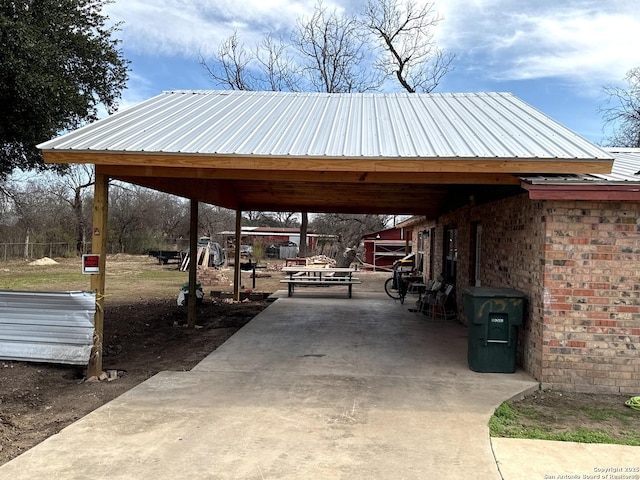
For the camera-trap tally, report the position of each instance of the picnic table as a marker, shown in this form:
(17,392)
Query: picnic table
(319,276)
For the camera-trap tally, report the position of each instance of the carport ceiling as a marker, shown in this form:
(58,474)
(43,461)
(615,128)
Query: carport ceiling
(361,153)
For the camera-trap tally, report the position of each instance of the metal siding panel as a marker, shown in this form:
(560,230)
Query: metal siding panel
(54,327)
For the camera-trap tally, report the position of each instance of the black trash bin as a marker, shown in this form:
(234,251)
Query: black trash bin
(493,316)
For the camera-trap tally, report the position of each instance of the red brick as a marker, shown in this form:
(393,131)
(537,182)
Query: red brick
(628,308)
(584,292)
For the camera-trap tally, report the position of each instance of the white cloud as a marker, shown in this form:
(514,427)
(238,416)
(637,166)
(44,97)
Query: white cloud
(185,27)
(586,42)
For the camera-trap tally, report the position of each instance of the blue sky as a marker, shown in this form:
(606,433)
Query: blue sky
(556,55)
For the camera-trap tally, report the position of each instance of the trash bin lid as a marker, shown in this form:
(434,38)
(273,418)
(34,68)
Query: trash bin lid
(490,292)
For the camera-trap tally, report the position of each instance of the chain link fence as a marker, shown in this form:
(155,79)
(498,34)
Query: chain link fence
(28,251)
(36,250)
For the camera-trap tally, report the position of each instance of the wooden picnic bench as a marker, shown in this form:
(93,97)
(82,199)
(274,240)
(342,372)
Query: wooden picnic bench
(319,277)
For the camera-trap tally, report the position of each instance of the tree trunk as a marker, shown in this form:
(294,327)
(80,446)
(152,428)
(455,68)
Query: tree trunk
(344,260)
(303,234)
(77,210)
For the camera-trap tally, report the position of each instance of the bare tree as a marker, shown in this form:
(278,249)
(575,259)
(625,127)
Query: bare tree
(267,67)
(404,31)
(622,111)
(74,183)
(349,228)
(279,70)
(331,52)
(214,219)
(334,53)
(231,65)
(38,213)
(287,219)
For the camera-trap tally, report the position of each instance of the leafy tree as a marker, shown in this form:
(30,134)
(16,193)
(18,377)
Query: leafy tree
(58,64)
(623,111)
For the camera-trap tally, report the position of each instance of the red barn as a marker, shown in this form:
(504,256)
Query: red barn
(383,248)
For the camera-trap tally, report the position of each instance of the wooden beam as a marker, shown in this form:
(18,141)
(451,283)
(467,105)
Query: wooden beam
(309,196)
(330,164)
(99,247)
(216,193)
(363,177)
(237,273)
(193,263)
(584,192)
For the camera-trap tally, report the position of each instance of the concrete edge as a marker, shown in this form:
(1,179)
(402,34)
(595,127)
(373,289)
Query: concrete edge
(518,396)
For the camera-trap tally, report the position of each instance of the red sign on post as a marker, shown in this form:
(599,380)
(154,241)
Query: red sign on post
(90,263)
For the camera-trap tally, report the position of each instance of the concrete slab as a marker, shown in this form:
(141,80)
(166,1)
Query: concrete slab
(565,460)
(311,388)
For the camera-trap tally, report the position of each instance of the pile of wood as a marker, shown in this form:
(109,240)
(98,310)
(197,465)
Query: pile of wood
(203,258)
(319,260)
(209,277)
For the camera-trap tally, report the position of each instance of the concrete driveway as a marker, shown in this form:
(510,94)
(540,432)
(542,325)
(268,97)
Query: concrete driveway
(320,387)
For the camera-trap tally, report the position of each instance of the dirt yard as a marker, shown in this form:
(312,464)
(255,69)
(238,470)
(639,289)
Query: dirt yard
(144,334)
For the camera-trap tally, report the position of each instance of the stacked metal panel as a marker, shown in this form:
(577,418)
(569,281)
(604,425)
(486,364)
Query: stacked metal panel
(52,327)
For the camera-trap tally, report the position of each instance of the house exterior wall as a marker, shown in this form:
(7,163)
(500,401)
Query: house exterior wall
(579,265)
(512,256)
(592,296)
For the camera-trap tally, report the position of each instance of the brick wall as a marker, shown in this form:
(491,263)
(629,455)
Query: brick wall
(579,265)
(592,296)
(512,256)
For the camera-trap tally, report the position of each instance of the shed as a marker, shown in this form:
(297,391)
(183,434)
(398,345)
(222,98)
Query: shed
(383,248)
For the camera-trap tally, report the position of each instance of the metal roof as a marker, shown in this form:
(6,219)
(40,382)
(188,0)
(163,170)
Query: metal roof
(625,170)
(54,327)
(285,124)
(626,165)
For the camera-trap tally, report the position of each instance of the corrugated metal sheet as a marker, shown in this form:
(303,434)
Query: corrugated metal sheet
(389,126)
(625,170)
(53,327)
(626,165)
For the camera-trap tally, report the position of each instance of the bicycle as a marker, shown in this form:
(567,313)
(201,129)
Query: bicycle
(396,286)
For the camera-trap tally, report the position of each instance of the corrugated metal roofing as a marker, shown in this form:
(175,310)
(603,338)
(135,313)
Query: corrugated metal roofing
(626,165)
(625,170)
(54,327)
(285,124)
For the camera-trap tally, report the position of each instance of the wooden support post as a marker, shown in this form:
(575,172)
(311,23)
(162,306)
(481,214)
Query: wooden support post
(99,247)
(407,245)
(237,277)
(193,264)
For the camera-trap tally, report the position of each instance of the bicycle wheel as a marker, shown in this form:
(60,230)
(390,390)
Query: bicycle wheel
(391,289)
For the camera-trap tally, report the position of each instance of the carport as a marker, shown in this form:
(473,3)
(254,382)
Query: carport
(360,153)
